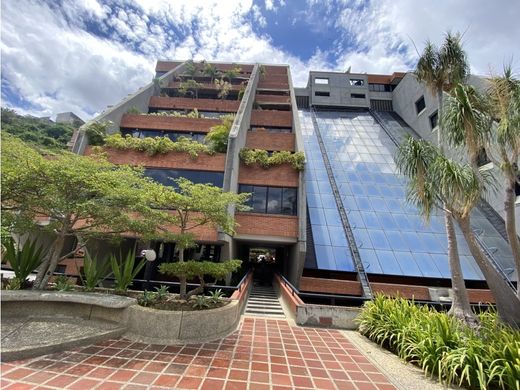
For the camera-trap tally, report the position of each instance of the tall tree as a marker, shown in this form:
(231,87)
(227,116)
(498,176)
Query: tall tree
(441,69)
(436,181)
(504,99)
(413,160)
(190,69)
(81,196)
(196,205)
(190,87)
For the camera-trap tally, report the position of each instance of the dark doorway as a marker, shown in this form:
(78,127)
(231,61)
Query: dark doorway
(264,260)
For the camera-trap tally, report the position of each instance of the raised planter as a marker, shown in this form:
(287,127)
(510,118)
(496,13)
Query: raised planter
(173,327)
(41,322)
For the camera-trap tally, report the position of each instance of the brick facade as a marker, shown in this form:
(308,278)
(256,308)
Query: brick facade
(406,291)
(278,176)
(331,286)
(170,103)
(261,139)
(277,99)
(271,118)
(267,225)
(153,122)
(206,85)
(173,160)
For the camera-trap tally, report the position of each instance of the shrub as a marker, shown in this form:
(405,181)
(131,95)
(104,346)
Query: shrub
(125,271)
(148,298)
(262,158)
(93,273)
(96,132)
(201,302)
(216,296)
(156,145)
(63,283)
(218,136)
(23,260)
(133,110)
(161,293)
(199,269)
(486,358)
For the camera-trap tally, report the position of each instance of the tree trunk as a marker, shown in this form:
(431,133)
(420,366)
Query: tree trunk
(509,208)
(182,280)
(507,303)
(460,307)
(54,258)
(440,102)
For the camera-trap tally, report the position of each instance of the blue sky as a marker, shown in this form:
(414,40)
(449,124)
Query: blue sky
(82,55)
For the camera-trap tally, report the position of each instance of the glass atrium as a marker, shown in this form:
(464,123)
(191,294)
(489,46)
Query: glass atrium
(391,236)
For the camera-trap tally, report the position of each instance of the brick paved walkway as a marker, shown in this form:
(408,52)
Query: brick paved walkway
(262,354)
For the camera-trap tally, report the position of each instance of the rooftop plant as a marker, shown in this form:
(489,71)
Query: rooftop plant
(217,138)
(157,145)
(262,158)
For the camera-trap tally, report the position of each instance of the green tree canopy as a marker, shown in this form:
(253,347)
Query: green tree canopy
(81,196)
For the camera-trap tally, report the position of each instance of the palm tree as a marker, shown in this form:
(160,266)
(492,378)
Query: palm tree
(504,99)
(438,182)
(413,159)
(190,69)
(210,71)
(466,122)
(440,69)
(232,73)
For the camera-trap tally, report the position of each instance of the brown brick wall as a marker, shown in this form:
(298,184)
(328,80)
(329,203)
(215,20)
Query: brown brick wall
(133,121)
(271,118)
(403,290)
(205,85)
(165,66)
(189,104)
(264,99)
(174,160)
(267,224)
(275,70)
(331,286)
(280,175)
(290,299)
(261,139)
(484,296)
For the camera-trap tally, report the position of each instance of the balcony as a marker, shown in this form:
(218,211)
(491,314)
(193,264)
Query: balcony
(172,160)
(271,118)
(261,139)
(168,103)
(267,225)
(206,86)
(273,99)
(278,176)
(273,81)
(156,122)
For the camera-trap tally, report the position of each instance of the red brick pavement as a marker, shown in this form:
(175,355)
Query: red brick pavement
(262,354)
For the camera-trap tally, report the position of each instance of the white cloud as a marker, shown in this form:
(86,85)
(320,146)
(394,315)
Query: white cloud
(50,59)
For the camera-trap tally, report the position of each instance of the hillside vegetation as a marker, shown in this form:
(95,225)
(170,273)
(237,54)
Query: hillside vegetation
(37,132)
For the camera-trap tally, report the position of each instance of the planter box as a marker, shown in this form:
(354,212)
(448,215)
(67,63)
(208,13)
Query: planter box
(175,327)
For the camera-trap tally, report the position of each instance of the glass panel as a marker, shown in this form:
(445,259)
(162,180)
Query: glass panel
(274,200)
(259,199)
(289,201)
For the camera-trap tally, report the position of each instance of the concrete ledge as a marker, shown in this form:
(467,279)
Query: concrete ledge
(328,316)
(176,327)
(98,299)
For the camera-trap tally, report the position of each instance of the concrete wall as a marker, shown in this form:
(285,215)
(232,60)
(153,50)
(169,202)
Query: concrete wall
(298,251)
(339,88)
(236,141)
(406,94)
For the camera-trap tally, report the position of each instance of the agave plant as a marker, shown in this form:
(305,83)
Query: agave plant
(25,259)
(93,272)
(125,271)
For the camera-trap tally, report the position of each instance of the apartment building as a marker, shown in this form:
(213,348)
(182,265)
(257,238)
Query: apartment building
(262,100)
(341,228)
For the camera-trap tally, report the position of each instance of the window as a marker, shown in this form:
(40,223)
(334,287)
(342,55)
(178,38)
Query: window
(321,93)
(420,105)
(173,135)
(167,176)
(357,82)
(380,87)
(271,200)
(321,80)
(357,96)
(434,120)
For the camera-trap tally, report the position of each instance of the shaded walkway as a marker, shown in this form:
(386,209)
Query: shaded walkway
(262,354)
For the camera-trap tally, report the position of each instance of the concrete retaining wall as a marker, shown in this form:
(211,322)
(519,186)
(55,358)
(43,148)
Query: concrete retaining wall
(329,316)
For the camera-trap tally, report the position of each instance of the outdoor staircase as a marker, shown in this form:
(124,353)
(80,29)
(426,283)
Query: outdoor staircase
(263,302)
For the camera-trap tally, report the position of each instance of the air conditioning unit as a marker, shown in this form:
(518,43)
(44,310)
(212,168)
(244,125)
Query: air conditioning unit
(439,294)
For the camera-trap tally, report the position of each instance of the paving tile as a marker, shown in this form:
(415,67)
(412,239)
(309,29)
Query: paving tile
(262,354)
